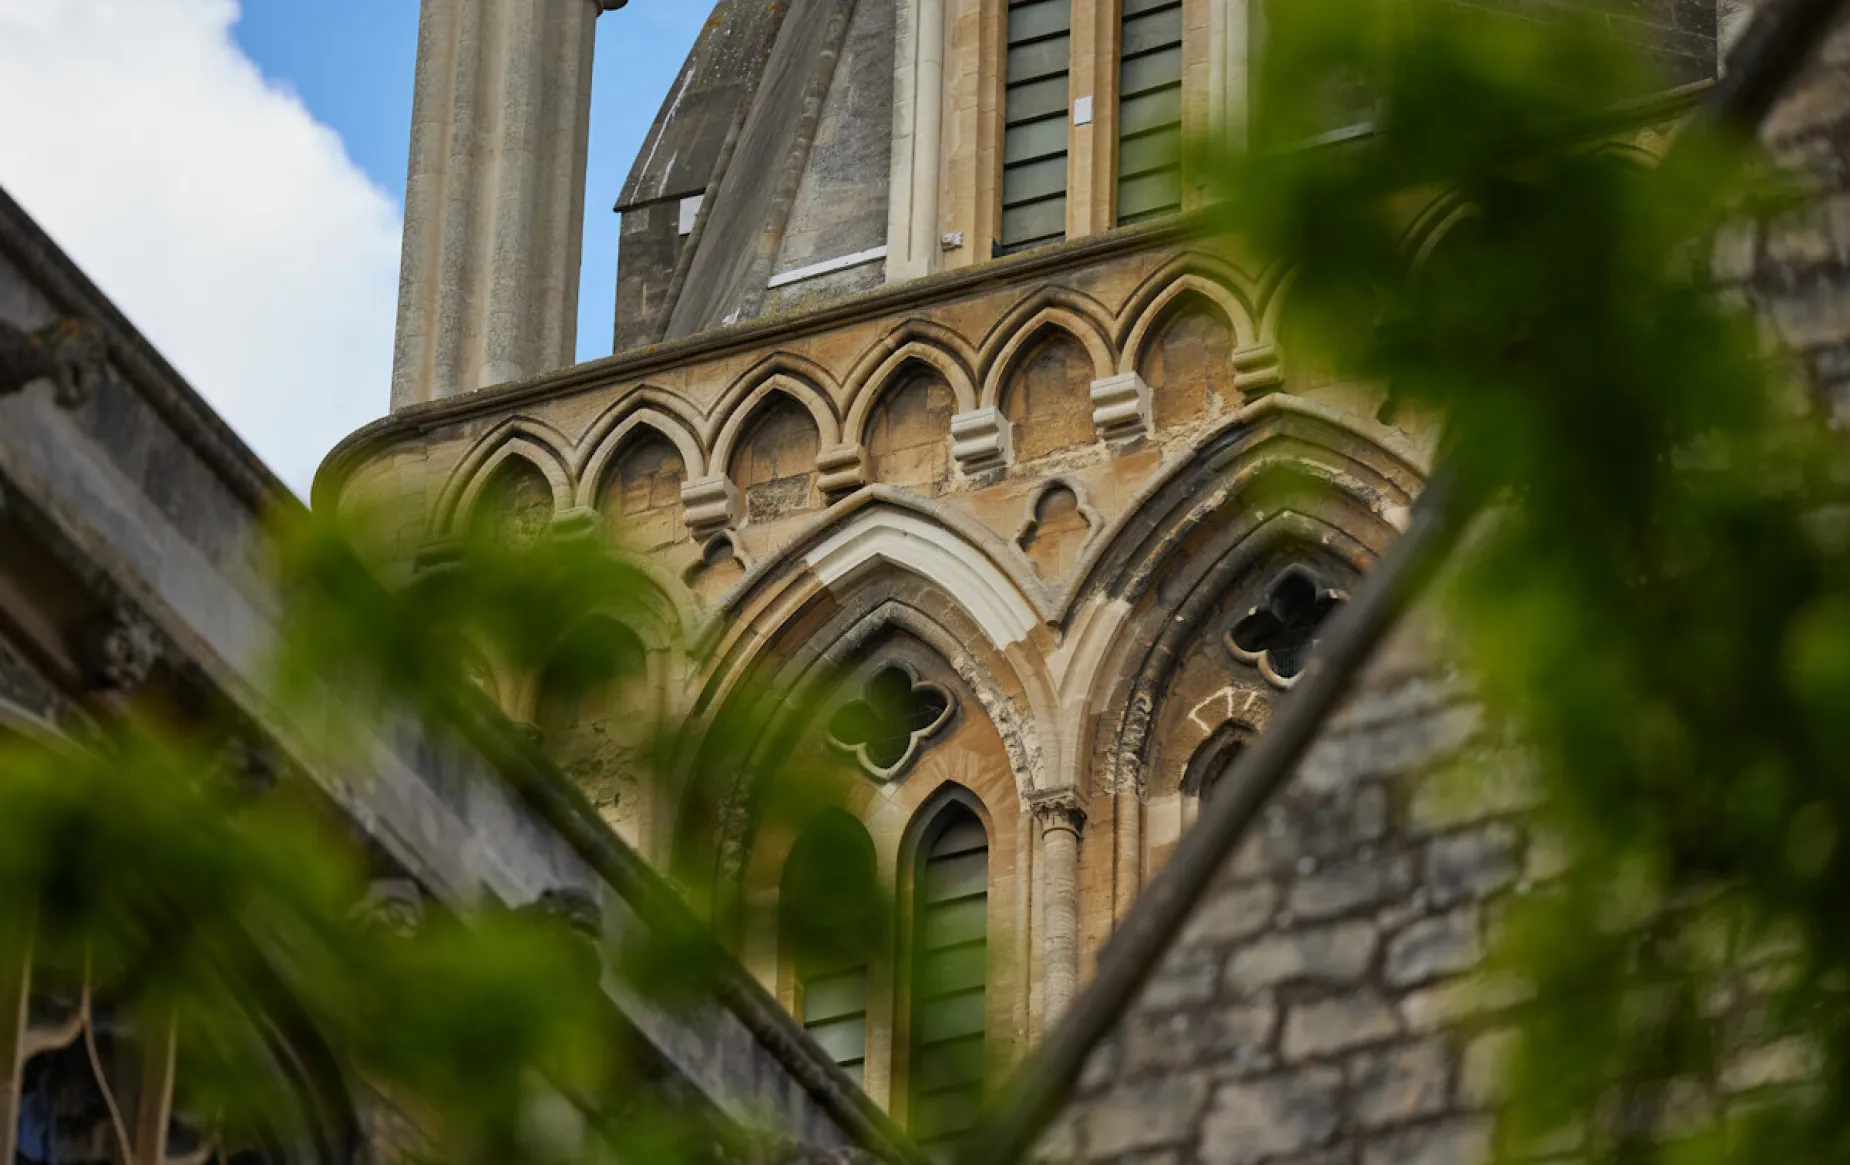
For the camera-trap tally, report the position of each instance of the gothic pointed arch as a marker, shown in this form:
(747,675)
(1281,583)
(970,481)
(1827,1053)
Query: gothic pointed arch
(798,376)
(540,444)
(1080,316)
(905,429)
(1283,486)
(769,450)
(791,637)
(1232,291)
(915,341)
(1044,389)
(635,472)
(648,408)
(1183,351)
(885,525)
(514,502)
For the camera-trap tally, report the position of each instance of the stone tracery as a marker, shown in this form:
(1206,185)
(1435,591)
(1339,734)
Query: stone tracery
(885,725)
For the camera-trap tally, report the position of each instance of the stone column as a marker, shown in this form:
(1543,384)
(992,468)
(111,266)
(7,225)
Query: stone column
(1061,818)
(494,197)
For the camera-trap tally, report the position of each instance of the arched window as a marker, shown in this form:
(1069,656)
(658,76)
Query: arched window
(950,957)
(1206,779)
(829,927)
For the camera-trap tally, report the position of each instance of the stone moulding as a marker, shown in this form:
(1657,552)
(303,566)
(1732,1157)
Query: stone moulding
(1121,407)
(710,504)
(981,440)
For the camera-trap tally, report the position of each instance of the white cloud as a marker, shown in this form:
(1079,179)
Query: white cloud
(227,223)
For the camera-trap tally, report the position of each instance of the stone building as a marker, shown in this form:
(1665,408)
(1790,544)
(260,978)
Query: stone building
(928,404)
(134,580)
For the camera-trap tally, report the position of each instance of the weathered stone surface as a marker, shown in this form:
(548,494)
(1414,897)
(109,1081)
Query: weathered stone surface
(1401,1083)
(1445,1004)
(1233,914)
(1460,1141)
(1251,1122)
(1225,1035)
(1337,953)
(1101,1068)
(1477,788)
(1349,885)
(1337,1024)
(1473,864)
(1431,947)
(1176,986)
(1147,1114)
(1295,829)
(1482,1076)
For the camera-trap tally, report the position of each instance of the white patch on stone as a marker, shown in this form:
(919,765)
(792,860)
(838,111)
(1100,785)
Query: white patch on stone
(828,266)
(932,552)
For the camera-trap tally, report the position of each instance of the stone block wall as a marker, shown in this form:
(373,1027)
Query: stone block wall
(1794,269)
(1326,1005)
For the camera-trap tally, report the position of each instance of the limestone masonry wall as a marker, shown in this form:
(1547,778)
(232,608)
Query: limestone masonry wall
(1325,1005)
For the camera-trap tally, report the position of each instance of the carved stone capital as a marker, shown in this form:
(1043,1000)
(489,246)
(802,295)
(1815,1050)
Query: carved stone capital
(710,504)
(981,440)
(392,906)
(1121,407)
(1058,810)
(841,469)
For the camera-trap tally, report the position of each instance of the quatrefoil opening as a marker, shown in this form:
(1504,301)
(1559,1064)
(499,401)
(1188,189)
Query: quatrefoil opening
(1277,635)
(885,727)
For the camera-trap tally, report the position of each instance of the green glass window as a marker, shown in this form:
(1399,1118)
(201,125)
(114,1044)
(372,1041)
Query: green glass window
(950,951)
(830,923)
(1035,122)
(1150,110)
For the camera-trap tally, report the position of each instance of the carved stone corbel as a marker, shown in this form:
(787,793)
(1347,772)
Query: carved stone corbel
(981,440)
(841,469)
(709,505)
(71,353)
(1121,408)
(1258,370)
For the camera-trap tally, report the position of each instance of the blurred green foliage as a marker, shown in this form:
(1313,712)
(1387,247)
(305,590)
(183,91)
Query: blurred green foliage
(1657,607)
(139,868)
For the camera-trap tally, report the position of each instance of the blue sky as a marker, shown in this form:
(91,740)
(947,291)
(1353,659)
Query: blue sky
(351,63)
(232,174)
